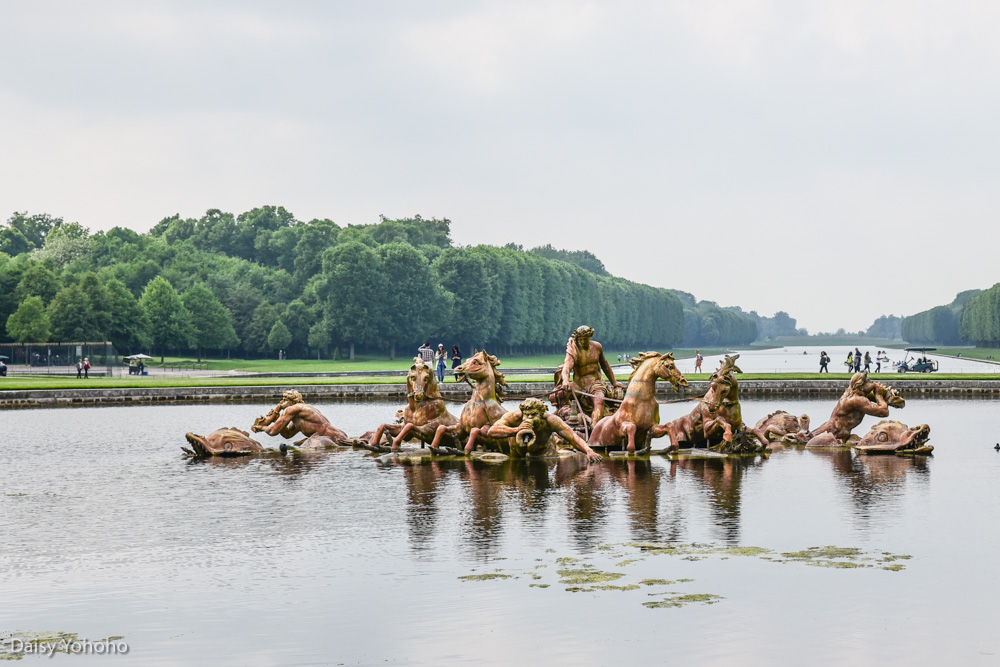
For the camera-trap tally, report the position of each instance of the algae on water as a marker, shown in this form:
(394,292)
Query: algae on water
(587,576)
(485,577)
(681,600)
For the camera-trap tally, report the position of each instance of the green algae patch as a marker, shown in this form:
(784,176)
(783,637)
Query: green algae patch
(485,577)
(628,562)
(824,552)
(696,551)
(893,568)
(603,587)
(538,585)
(587,576)
(567,560)
(657,582)
(683,600)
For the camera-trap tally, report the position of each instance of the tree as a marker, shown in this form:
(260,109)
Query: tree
(128,328)
(169,320)
(355,292)
(415,302)
(34,228)
(99,313)
(260,327)
(66,243)
(319,337)
(279,338)
(475,314)
(29,323)
(37,280)
(13,242)
(211,322)
(69,313)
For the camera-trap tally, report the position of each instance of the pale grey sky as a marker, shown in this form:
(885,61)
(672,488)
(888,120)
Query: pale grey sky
(836,160)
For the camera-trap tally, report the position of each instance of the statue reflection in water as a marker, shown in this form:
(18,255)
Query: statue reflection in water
(481,495)
(874,483)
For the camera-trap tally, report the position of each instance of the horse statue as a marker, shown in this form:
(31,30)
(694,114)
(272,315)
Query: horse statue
(424,412)
(483,409)
(717,421)
(638,417)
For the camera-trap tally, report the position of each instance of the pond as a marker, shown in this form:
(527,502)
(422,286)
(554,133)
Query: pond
(333,559)
(806,360)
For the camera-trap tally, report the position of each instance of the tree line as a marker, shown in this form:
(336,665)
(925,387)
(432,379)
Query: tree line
(262,281)
(951,324)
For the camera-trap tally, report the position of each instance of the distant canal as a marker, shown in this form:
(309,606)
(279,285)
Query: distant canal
(804,556)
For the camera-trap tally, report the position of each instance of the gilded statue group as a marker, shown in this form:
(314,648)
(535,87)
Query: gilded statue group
(592,411)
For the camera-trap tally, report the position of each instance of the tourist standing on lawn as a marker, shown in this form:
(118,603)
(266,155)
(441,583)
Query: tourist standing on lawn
(86,368)
(440,357)
(79,369)
(426,353)
(456,357)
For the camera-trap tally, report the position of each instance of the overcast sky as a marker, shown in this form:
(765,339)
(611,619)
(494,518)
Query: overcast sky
(835,160)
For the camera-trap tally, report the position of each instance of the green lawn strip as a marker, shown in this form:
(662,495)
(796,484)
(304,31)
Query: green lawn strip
(13,383)
(382,363)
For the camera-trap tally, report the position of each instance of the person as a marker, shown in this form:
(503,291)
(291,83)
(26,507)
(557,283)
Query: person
(426,353)
(440,357)
(86,368)
(79,369)
(850,361)
(697,361)
(878,361)
(456,357)
(823,362)
(585,360)
(857,360)
(868,361)
(619,357)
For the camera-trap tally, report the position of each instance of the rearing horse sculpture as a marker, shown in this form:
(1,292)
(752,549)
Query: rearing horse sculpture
(718,416)
(424,412)
(483,409)
(638,417)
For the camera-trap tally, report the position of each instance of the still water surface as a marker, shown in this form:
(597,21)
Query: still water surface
(107,530)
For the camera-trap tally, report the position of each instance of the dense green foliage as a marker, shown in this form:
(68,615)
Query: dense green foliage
(262,281)
(706,324)
(980,321)
(940,325)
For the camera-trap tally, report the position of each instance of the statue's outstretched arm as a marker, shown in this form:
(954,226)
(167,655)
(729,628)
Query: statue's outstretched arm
(571,436)
(505,427)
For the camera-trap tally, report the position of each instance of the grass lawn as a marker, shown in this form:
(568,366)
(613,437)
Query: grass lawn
(382,363)
(50,382)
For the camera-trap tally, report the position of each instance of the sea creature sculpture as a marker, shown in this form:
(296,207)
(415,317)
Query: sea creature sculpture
(717,421)
(222,442)
(529,428)
(784,427)
(892,437)
(579,378)
(638,417)
(292,416)
(483,409)
(862,397)
(425,411)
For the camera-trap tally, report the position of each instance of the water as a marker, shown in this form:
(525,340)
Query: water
(806,360)
(107,530)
